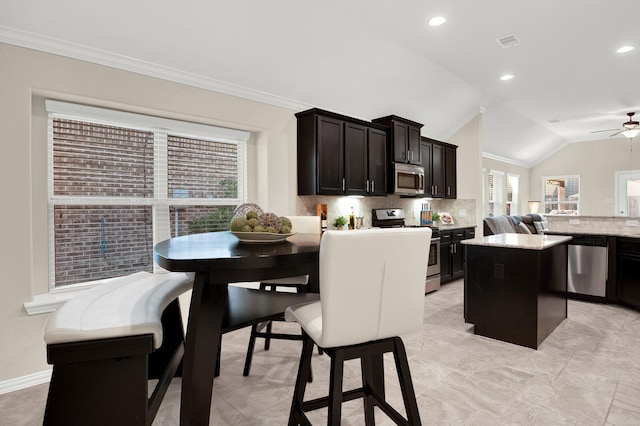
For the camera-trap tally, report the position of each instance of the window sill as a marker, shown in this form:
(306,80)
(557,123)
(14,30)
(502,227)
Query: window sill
(49,302)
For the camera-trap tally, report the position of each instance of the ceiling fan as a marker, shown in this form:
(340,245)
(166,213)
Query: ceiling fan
(630,129)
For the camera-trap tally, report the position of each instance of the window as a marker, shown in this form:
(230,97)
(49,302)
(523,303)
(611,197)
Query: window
(118,182)
(561,194)
(628,193)
(502,190)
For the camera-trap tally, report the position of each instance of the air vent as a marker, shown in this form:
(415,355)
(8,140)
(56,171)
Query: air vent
(508,41)
(554,121)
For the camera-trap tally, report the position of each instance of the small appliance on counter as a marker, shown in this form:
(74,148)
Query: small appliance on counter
(394,218)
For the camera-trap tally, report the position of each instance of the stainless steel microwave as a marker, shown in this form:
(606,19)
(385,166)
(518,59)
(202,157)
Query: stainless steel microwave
(408,179)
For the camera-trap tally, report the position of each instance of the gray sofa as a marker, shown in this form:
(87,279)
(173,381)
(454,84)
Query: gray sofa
(512,224)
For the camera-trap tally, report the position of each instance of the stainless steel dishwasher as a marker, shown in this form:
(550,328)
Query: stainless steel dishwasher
(587,274)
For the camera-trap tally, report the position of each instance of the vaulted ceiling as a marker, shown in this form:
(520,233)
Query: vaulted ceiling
(370,58)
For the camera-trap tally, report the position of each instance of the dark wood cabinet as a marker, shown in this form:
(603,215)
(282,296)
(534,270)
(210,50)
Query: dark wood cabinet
(404,139)
(377,162)
(440,168)
(628,271)
(340,155)
(452,253)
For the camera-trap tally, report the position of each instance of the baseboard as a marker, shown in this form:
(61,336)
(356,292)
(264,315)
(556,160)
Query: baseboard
(24,382)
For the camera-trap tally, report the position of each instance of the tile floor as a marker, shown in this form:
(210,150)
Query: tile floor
(586,373)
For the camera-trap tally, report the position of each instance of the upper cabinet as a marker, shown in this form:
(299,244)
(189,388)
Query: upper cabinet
(404,139)
(339,155)
(439,162)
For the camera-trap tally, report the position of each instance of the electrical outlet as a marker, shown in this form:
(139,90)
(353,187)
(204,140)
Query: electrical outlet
(462,213)
(631,223)
(574,221)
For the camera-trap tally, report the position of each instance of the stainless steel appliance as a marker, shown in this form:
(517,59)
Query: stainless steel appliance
(408,179)
(587,273)
(395,217)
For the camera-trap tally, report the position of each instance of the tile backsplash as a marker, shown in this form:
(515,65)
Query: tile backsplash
(362,206)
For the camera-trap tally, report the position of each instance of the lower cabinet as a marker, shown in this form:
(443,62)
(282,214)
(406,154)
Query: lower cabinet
(628,271)
(452,253)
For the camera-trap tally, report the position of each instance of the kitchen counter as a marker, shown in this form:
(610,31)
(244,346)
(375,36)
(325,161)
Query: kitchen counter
(594,225)
(515,286)
(520,241)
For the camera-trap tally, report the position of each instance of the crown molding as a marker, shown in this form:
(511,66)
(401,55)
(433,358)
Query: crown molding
(505,160)
(84,53)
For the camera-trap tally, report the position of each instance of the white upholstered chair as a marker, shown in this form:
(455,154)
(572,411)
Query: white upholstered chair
(300,224)
(371,291)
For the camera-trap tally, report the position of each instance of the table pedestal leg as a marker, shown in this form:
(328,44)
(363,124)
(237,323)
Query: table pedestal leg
(201,350)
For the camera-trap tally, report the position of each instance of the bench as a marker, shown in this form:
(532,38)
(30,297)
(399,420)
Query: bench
(107,343)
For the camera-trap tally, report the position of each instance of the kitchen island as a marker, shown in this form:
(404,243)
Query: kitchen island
(515,286)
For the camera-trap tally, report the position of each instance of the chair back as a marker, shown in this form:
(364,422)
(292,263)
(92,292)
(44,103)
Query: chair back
(305,224)
(372,283)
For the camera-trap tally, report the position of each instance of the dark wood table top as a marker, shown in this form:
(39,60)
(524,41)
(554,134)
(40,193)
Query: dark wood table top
(203,252)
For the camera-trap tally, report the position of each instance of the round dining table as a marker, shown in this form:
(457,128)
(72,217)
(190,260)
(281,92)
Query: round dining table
(219,258)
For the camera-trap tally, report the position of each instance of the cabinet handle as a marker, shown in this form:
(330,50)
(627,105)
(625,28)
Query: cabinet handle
(448,190)
(373,186)
(436,191)
(343,184)
(366,186)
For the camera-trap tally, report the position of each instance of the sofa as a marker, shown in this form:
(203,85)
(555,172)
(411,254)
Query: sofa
(529,224)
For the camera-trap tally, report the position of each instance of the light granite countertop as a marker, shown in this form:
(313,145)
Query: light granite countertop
(519,241)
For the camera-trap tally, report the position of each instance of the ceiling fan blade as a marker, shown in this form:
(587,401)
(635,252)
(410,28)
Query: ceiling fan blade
(608,130)
(617,133)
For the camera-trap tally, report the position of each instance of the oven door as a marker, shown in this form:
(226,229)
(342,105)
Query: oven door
(433,264)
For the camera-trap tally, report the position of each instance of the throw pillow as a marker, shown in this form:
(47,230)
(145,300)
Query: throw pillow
(522,229)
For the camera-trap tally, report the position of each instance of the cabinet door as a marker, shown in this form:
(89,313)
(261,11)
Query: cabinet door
(330,156)
(413,144)
(450,172)
(445,262)
(400,140)
(426,158)
(437,171)
(628,276)
(355,159)
(377,156)
(457,260)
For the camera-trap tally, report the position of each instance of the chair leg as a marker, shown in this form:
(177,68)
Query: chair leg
(335,389)
(296,415)
(406,384)
(252,344)
(367,378)
(267,339)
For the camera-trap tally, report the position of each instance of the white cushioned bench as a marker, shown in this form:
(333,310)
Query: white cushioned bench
(105,345)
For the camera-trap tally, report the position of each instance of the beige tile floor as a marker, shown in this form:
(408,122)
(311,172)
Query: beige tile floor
(586,373)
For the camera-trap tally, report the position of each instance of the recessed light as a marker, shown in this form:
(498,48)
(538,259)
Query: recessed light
(437,21)
(506,77)
(625,49)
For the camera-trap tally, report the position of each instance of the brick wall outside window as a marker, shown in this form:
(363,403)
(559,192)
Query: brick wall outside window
(94,163)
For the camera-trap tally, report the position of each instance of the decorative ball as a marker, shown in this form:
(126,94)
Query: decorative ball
(270,220)
(247,228)
(285,229)
(252,214)
(258,228)
(271,229)
(285,221)
(252,222)
(238,223)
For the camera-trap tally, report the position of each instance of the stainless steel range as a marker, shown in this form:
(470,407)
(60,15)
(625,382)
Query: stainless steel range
(395,218)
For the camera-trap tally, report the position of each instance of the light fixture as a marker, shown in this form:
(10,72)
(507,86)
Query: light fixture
(624,49)
(534,206)
(630,133)
(506,77)
(437,21)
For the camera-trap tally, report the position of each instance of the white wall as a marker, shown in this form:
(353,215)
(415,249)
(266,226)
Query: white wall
(596,163)
(28,77)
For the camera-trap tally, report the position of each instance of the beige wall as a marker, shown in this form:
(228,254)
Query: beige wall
(523,182)
(28,77)
(596,163)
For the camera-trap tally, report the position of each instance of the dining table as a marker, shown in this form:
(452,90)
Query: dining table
(218,259)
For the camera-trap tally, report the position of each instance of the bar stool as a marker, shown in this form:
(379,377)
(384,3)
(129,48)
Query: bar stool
(371,291)
(301,224)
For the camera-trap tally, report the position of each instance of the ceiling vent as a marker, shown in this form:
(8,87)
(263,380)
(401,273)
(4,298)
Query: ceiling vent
(508,41)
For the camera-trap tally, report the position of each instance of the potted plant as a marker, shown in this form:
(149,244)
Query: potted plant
(339,222)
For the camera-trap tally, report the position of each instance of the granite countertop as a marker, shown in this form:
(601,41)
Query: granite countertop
(520,241)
